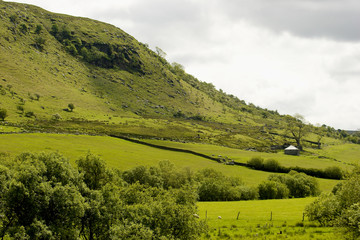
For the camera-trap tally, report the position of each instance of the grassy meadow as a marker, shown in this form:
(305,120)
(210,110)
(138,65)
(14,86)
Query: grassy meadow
(262,219)
(124,155)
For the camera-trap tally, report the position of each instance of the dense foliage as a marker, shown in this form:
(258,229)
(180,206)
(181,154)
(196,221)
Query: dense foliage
(272,165)
(44,197)
(341,207)
(294,184)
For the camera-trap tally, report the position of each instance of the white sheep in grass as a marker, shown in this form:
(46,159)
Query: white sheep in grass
(219,217)
(195,215)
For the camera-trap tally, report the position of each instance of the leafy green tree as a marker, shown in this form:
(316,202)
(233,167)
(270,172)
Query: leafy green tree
(38,29)
(273,190)
(256,163)
(3,114)
(350,219)
(94,171)
(271,165)
(39,43)
(299,184)
(71,106)
(42,195)
(325,209)
(54,29)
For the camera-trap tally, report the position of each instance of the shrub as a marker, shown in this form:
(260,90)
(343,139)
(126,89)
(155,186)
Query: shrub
(299,184)
(256,163)
(273,190)
(39,43)
(38,29)
(272,165)
(20,108)
(3,114)
(71,107)
(30,114)
(247,193)
(14,18)
(56,117)
(333,172)
(324,209)
(23,28)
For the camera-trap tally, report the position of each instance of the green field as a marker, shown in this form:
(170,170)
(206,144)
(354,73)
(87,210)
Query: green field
(124,155)
(254,220)
(332,155)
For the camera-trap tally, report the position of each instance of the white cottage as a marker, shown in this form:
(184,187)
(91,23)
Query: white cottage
(292,150)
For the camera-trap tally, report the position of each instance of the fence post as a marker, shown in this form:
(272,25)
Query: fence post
(271,216)
(237,218)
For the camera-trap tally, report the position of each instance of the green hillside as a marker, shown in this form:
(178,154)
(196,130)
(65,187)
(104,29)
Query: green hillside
(115,84)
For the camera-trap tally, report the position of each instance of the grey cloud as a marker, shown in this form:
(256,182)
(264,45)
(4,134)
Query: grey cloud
(346,68)
(333,19)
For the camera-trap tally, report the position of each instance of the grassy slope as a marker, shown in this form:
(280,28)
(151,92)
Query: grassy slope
(154,90)
(60,78)
(125,155)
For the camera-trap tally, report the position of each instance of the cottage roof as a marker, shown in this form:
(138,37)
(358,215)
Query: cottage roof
(291,147)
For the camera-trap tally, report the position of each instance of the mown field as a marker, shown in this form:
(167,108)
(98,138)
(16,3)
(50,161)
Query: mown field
(262,219)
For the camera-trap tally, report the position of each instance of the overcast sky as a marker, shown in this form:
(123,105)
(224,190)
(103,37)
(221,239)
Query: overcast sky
(294,56)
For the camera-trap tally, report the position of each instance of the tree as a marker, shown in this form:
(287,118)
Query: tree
(299,184)
(38,29)
(324,209)
(297,128)
(340,208)
(320,132)
(39,43)
(273,190)
(71,106)
(160,52)
(3,113)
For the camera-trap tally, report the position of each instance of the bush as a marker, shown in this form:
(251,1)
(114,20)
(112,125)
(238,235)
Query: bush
(30,114)
(38,29)
(247,193)
(324,209)
(299,184)
(3,114)
(272,165)
(256,163)
(39,43)
(20,108)
(273,190)
(71,106)
(333,172)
